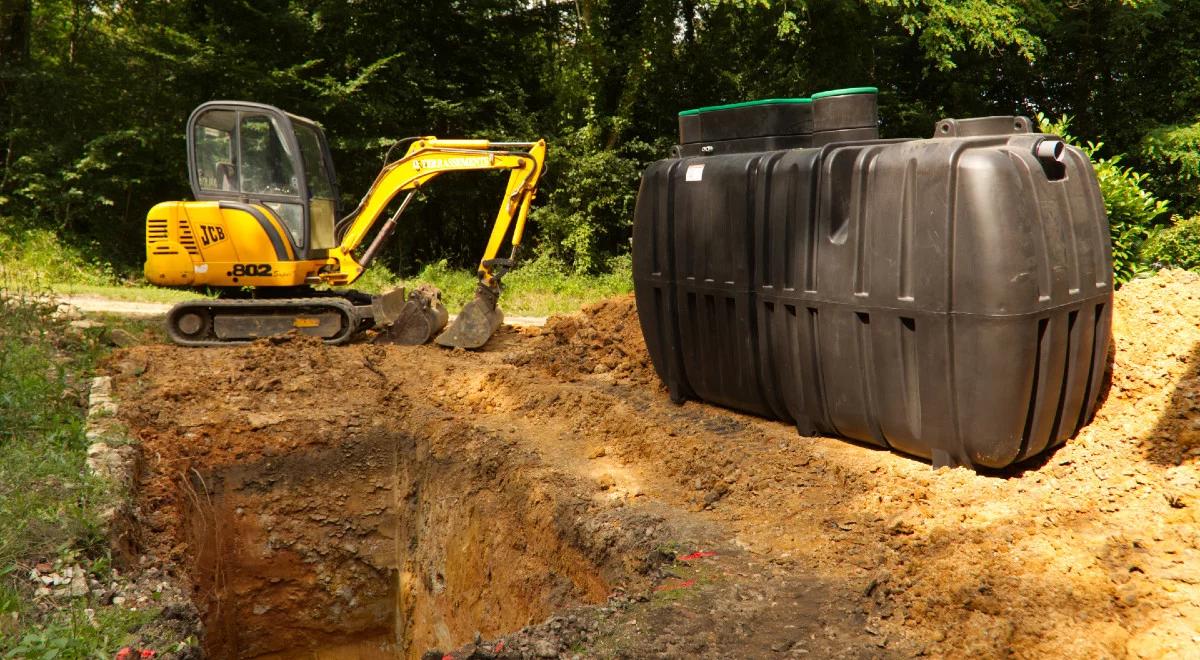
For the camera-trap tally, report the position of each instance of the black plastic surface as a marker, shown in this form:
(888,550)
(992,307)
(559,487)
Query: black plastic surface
(949,298)
(835,113)
(753,121)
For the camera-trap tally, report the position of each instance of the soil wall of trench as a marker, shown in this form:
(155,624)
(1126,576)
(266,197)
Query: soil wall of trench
(376,546)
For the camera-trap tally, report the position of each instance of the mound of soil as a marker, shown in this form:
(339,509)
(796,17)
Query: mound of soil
(1156,373)
(823,548)
(603,338)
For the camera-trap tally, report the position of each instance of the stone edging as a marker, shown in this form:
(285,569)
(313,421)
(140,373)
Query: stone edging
(112,458)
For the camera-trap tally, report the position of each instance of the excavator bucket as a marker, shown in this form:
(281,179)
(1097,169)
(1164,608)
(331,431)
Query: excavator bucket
(414,321)
(476,322)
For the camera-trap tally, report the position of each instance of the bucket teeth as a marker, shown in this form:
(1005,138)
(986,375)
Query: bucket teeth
(476,323)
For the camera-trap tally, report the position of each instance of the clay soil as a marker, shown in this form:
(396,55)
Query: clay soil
(437,499)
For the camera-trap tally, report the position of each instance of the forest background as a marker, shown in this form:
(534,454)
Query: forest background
(94,95)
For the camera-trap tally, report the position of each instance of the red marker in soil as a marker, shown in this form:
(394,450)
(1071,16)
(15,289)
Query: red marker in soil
(696,555)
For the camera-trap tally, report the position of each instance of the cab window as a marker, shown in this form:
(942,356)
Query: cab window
(266,163)
(322,206)
(212,136)
(320,184)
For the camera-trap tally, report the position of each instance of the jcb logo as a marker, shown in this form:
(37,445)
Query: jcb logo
(210,234)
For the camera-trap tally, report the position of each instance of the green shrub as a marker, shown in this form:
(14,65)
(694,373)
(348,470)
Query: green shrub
(36,258)
(587,214)
(1132,209)
(1176,245)
(1171,155)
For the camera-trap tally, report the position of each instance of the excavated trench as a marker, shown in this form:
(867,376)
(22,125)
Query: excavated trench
(376,545)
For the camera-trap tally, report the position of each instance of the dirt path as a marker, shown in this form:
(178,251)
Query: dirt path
(100,304)
(823,548)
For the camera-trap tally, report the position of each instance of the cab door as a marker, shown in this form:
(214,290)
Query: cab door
(321,183)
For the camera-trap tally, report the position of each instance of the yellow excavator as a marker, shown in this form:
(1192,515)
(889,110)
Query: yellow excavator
(265,231)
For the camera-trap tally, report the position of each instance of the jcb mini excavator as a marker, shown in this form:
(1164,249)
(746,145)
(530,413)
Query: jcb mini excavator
(265,229)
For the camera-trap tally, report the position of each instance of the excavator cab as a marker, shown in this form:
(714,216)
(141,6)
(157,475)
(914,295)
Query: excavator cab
(254,154)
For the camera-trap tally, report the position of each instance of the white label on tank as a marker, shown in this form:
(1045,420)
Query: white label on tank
(695,172)
(201,268)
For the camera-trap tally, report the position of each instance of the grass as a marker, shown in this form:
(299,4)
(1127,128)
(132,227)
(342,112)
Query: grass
(49,503)
(37,260)
(536,288)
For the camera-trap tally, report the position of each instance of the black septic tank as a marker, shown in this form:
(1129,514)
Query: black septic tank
(950,298)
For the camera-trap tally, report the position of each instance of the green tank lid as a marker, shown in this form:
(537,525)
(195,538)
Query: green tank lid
(845,92)
(744,104)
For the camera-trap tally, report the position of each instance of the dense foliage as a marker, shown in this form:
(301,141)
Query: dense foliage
(94,93)
(1175,245)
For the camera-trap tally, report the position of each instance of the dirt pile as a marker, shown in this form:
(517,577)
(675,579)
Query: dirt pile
(604,338)
(823,548)
(1156,373)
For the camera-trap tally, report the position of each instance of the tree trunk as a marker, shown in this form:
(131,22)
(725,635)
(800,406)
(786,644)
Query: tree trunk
(16,17)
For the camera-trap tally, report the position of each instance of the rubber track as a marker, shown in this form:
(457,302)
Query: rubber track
(351,317)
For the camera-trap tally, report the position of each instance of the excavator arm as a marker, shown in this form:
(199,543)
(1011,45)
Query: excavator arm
(425,160)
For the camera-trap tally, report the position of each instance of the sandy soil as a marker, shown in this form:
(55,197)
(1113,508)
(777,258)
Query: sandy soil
(822,547)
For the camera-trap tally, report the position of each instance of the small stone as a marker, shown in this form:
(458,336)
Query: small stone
(131,368)
(544,648)
(900,524)
(122,338)
(606,481)
(78,586)
(118,600)
(597,451)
